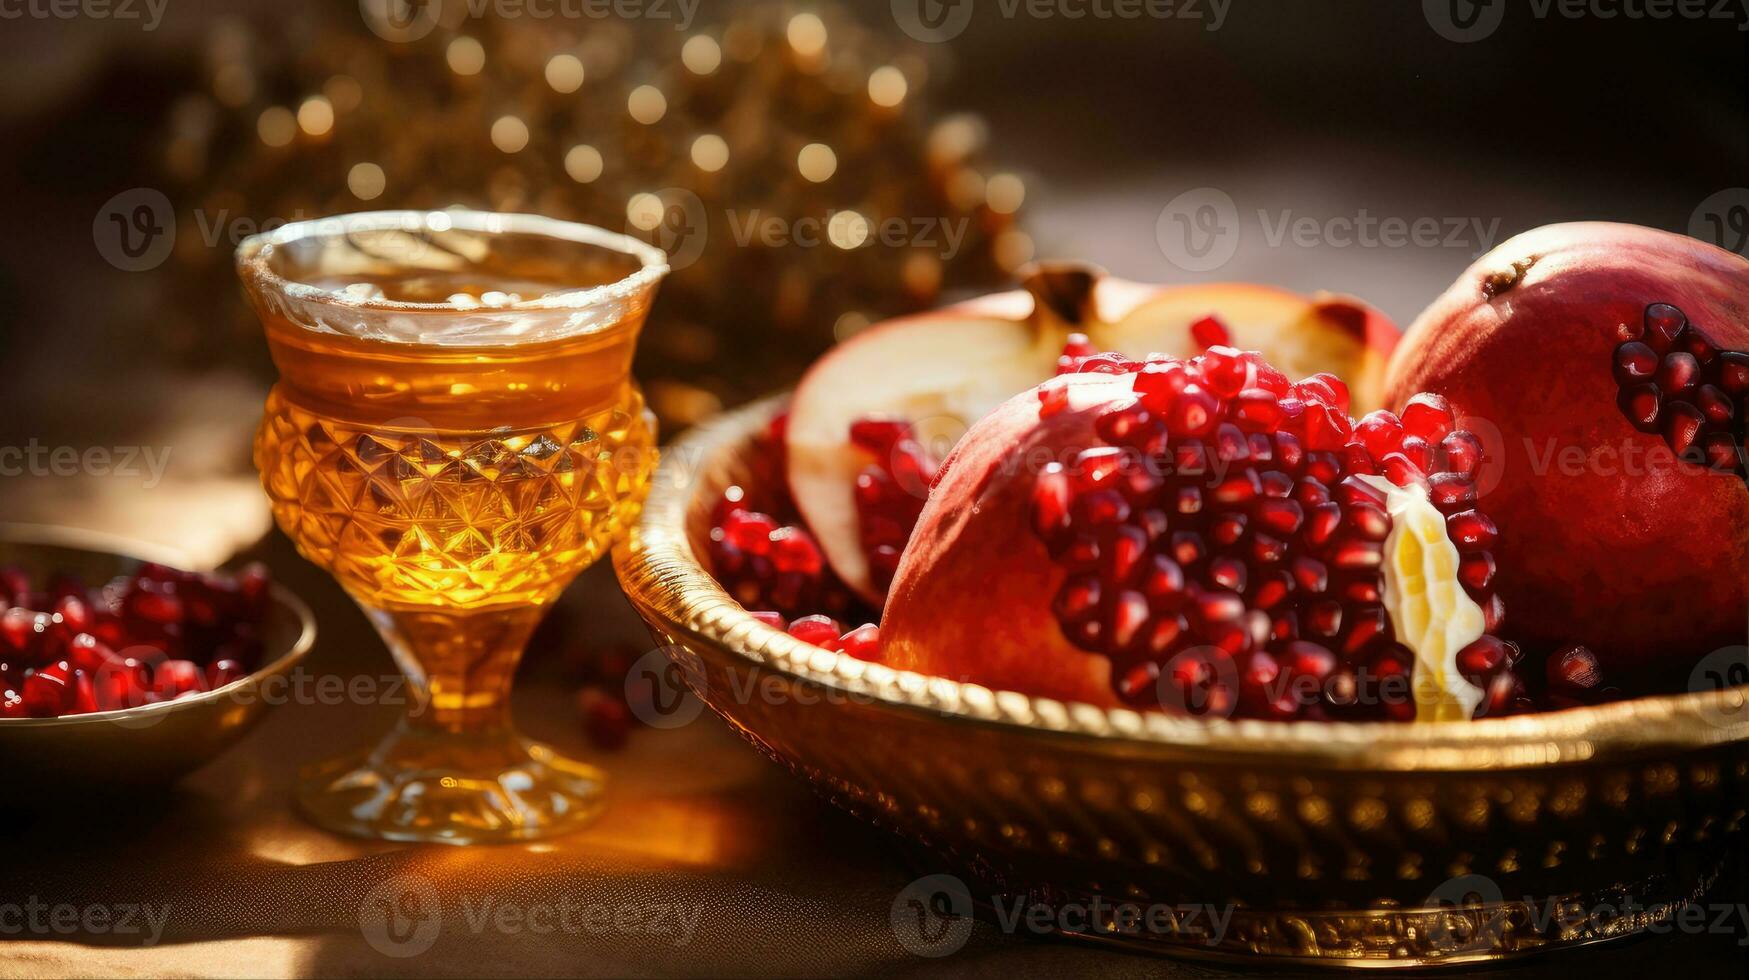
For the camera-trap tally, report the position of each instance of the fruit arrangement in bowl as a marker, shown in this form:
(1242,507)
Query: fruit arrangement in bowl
(1232,501)
(1234,609)
(120,670)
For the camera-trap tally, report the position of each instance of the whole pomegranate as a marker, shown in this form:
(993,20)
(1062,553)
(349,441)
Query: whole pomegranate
(1205,537)
(1607,365)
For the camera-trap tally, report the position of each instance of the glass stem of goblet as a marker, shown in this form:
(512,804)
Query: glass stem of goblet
(459,663)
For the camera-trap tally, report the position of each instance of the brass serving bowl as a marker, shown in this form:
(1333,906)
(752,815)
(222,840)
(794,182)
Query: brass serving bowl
(1361,845)
(74,756)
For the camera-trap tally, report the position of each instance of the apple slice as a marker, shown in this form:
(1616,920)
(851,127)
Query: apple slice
(939,372)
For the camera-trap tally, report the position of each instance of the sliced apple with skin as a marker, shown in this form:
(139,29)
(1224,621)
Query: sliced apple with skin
(943,370)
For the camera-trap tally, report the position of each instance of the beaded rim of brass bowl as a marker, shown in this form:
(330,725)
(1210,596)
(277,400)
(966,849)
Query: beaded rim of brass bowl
(1289,783)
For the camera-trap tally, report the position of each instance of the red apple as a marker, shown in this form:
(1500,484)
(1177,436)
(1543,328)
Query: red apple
(1598,356)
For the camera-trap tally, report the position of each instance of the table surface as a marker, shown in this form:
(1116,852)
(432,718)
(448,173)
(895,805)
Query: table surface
(710,860)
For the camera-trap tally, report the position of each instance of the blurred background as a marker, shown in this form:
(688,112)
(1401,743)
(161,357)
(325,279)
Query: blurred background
(811,166)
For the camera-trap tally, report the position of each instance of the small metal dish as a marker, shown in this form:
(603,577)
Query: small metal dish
(151,745)
(1356,845)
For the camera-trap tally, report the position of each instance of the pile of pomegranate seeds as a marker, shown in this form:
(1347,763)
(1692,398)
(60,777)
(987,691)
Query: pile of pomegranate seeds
(154,636)
(890,491)
(766,564)
(1673,381)
(1223,532)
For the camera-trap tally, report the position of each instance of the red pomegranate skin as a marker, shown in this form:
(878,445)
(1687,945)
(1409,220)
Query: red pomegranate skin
(1646,565)
(971,600)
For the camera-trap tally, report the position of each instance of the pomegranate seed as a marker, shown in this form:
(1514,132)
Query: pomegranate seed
(772,619)
(1664,323)
(1733,371)
(1209,331)
(1493,613)
(1303,658)
(1476,571)
(1215,606)
(863,643)
(1682,426)
(1324,618)
(1321,524)
(1123,551)
(1429,416)
(1678,373)
(1129,613)
(1369,520)
(1163,579)
(815,629)
(1227,573)
(1484,658)
(1402,471)
(1418,451)
(1326,428)
(1282,517)
(1052,399)
(1160,385)
(1257,410)
(1271,590)
(1640,404)
(1449,492)
(174,678)
(1635,363)
(1367,627)
(1311,575)
(1715,405)
(1462,451)
(1381,432)
(1239,488)
(1356,554)
(1224,371)
(878,435)
(1574,672)
(1099,508)
(1193,415)
(48,692)
(1231,446)
(1503,695)
(1326,389)
(1471,531)
(1188,547)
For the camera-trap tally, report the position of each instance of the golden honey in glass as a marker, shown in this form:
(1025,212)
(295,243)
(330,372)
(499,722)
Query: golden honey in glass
(454,436)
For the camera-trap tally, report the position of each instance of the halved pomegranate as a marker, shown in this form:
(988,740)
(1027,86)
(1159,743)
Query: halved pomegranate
(871,418)
(1205,537)
(1611,364)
